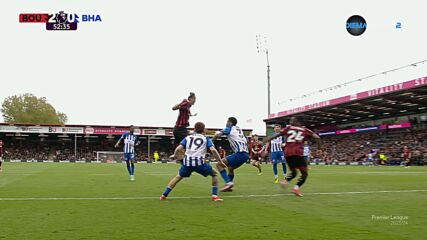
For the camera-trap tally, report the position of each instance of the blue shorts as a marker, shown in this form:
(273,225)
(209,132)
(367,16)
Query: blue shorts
(237,159)
(306,158)
(278,157)
(204,170)
(129,156)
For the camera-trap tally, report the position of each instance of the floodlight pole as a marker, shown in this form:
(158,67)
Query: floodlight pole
(261,47)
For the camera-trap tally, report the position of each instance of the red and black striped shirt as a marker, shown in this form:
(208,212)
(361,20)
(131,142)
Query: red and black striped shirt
(184,114)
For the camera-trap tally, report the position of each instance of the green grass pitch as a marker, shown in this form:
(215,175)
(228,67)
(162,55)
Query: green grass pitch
(97,201)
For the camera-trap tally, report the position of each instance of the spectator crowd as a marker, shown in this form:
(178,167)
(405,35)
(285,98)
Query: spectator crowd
(386,147)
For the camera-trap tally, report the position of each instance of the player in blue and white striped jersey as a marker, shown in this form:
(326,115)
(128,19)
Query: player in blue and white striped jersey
(239,145)
(276,146)
(196,146)
(130,140)
(307,152)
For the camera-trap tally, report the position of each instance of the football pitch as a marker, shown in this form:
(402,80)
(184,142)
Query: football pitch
(97,201)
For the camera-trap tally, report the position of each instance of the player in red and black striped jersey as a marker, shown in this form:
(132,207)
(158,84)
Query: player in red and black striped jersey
(180,130)
(296,135)
(1,155)
(406,156)
(256,149)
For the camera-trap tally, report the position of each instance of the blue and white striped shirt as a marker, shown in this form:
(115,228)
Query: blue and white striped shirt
(276,144)
(236,138)
(306,151)
(130,140)
(196,146)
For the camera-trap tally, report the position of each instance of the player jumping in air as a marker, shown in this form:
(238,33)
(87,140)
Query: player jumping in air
(1,155)
(196,146)
(256,148)
(239,145)
(276,146)
(180,129)
(130,140)
(295,136)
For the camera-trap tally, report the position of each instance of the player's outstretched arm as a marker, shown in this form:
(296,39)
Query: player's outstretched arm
(268,139)
(266,147)
(177,106)
(318,141)
(217,135)
(216,155)
(117,143)
(137,141)
(177,153)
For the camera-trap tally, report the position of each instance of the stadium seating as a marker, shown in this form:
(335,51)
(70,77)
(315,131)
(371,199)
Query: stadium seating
(355,147)
(340,148)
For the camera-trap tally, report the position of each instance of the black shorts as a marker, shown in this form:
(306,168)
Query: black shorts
(295,162)
(179,133)
(256,157)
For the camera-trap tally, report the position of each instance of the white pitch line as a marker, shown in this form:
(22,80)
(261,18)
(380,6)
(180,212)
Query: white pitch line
(201,197)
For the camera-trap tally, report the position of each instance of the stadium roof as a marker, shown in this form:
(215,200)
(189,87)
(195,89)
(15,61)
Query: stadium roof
(399,99)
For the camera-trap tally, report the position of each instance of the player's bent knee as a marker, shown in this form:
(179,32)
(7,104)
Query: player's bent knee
(219,166)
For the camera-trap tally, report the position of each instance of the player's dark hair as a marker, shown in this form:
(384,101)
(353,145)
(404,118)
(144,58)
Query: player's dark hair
(192,95)
(295,119)
(199,127)
(233,120)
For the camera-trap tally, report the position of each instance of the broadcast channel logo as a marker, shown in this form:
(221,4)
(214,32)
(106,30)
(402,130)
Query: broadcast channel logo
(356,25)
(60,21)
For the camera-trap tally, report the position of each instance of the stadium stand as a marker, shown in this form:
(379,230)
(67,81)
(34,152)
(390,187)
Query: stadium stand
(25,142)
(379,121)
(356,147)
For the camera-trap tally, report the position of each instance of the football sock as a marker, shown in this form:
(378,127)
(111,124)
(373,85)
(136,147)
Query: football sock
(291,176)
(167,191)
(225,176)
(302,178)
(132,168)
(215,190)
(275,169)
(231,177)
(129,169)
(284,168)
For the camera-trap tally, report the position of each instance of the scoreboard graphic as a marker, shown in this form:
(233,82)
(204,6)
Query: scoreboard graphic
(60,21)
